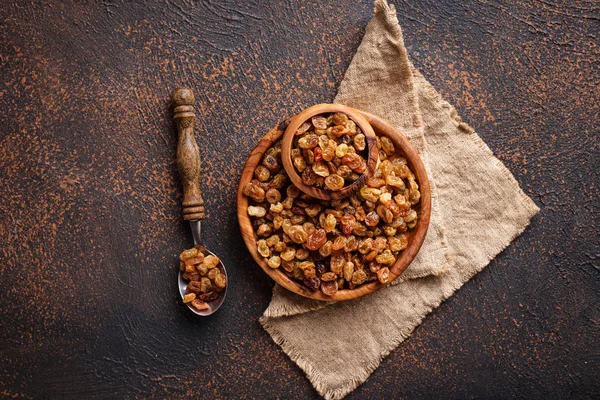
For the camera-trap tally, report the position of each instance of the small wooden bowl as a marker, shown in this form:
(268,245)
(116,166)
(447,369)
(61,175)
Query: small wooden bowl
(288,139)
(416,236)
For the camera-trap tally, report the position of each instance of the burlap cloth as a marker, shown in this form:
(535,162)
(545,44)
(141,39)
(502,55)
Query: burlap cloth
(478,209)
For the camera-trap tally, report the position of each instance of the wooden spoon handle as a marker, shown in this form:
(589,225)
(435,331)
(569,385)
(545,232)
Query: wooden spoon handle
(188,156)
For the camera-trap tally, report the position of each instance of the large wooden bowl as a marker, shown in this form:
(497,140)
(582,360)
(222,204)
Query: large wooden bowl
(416,236)
(307,114)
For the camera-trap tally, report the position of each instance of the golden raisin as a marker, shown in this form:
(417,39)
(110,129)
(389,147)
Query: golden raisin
(263,230)
(302,254)
(359,277)
(212,273)
(351,125)
(383,275)
(402,170)
(313,210)
(341,150)
(379,243)
(220,281)
(316,239)
(370,194)
(271,163)
(319,122)
(328,276)
(329,288)
(334,182)
(352,161)
(210,261)
(389,230)
(298,217)
(288,254)
(273,196)
(387,145)
(386,258)
(189,297)
(398,243)
(371,255)
(360,142)
(339,131)
(326,249)
(303,128)
(263,248)
(309,156)
(277,220)
(329,223)
(201,268)
(193,287)
(320,168)
(309,177)
(309,272)
(339,118)
(394,181)
(276,208)
(262,173)
(304,265)
(351,244)
(199,305)
(292,191)
(348,270)
(308,141)
(360,230)
(339,242)
(344,171)
(385,214)
(365,245)
(252,190)
(278,181)
(337,262)
(188,254)
(287,265)
(256,211)
(274,262)
(375,182)
(297,234)
(411,216)
(205,285)
(329,151)
(299,163)
(372,219)
(347,223)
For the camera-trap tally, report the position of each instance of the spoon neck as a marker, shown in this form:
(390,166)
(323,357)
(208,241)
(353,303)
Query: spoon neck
(196,227)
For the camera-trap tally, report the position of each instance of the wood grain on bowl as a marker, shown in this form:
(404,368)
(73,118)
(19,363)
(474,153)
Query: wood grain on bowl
(416,236)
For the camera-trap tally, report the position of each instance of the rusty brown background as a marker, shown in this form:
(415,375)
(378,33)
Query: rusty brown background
(89,195)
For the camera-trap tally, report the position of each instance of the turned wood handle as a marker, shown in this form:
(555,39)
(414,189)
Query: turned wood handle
(188,156)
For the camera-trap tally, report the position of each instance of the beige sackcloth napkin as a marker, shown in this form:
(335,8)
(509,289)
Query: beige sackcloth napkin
(478,208)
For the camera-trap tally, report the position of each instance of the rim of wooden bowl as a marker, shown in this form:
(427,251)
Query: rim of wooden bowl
(416,237)
(307,114)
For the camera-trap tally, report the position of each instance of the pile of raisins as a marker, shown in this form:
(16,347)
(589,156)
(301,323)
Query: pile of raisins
(205,281)
(337,244)
(328,151)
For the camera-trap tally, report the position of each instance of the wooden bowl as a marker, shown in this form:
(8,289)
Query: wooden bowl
(416,236)
(288,139)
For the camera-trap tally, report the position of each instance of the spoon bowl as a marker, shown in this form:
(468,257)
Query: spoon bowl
(214,304)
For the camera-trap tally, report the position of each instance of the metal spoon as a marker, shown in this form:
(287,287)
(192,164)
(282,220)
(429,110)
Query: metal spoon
(188,164)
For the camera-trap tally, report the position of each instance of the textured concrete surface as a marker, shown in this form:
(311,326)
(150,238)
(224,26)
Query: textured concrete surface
(89,195)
